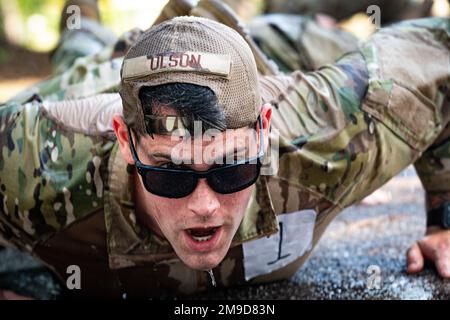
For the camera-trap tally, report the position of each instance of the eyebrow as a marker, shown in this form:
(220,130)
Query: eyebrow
(168,157)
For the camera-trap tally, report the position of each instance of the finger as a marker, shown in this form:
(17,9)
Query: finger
(443,269)
(415,259)
(427,247)
(443,261)
(437,250)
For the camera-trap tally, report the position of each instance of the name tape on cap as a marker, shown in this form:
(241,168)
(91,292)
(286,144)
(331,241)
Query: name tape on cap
(201,62)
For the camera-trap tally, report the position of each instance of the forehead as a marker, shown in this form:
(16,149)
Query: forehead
(230,138)
(210,146)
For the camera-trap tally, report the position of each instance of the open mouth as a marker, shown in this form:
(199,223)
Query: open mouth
(202,234)
(203,239)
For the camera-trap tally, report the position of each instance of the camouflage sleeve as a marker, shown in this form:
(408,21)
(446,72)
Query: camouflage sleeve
(348,128)
(433,168)
(50,174)
(10,180)
(325,135)
(427,77)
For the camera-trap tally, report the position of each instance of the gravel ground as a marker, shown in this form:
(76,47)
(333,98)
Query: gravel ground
(361,256)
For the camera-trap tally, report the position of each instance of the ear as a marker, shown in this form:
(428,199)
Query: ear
(120,129)
(266,116)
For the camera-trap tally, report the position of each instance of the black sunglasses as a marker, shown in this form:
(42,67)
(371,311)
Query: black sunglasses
(179,183)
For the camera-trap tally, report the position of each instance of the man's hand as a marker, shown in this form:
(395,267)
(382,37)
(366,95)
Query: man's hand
(435,246)
(9,295)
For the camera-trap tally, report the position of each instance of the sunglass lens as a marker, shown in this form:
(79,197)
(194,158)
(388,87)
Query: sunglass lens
(234,179)
(169,184)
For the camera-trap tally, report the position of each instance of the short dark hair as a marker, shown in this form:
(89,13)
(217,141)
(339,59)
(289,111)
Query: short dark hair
(195,102)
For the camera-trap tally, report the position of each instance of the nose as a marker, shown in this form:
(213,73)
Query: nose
(203,201)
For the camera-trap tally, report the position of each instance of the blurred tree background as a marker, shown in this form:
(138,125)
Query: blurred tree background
(34,24)
(29,30)
(25,22)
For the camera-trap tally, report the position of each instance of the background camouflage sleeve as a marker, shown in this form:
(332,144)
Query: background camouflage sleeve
(298,42)
(84,65)
(90,39)
(87,76)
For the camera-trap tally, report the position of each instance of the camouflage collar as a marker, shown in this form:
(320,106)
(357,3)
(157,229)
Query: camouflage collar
(131,244)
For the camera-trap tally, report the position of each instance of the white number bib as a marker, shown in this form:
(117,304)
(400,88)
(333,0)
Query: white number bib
(294,238)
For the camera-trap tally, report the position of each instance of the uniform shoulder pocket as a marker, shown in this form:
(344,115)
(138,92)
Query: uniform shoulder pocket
(403,92)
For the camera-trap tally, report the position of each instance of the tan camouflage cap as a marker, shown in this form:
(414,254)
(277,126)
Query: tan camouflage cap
(197,51)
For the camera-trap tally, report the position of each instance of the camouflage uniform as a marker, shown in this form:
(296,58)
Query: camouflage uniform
(84,65)
(66,193)
(297,42)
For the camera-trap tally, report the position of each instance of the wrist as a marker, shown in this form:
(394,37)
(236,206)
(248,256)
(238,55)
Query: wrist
(435,200)
(439,215)
(433,229)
